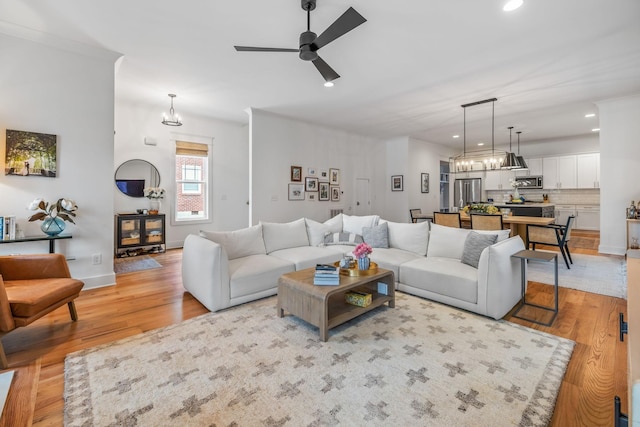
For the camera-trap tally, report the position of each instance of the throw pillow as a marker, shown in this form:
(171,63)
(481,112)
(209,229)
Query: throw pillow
(376,237)
(412,237)
(317,230)
(474,245)
(354,223)
(350,239)
(238,243)
(284,235)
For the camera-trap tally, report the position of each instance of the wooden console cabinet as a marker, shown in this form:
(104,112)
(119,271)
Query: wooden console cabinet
(144,232)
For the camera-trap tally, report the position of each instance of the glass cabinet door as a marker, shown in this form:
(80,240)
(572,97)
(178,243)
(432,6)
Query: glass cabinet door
(153,230)
(130,232)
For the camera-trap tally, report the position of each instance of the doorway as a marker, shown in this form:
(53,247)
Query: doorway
(444,186)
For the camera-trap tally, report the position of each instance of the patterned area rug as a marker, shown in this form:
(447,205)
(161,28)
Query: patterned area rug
(605,275)
(420,363)
(137,263)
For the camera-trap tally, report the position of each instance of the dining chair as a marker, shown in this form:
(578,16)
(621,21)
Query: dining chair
(32,286)
(413,213)
(448,219)
(552,235)
(486,222)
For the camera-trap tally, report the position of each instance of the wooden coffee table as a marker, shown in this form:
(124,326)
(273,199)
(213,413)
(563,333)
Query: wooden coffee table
(324,306)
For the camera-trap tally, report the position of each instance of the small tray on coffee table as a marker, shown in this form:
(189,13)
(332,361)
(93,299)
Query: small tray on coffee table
(354,272)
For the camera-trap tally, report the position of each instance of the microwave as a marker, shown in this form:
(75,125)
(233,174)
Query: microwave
(529,181)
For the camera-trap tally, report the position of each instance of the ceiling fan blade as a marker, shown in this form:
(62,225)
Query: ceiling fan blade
(327,72)
(263,49)
(345,23)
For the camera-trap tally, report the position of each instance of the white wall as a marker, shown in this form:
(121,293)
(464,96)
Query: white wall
(277,143)
(229,151)
(425,158)
(57,91)
(619,166)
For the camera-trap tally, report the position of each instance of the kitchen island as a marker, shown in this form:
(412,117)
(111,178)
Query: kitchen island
(545,210)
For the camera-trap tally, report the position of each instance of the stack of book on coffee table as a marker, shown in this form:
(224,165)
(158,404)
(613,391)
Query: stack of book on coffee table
(327,275)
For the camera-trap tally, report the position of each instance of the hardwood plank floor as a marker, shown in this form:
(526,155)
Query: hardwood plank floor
(150,299)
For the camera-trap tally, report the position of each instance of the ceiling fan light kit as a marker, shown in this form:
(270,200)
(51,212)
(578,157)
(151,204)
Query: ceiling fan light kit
(310,42)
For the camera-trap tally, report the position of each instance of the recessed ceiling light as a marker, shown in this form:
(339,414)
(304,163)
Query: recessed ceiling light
(512,5)
(456,136)
(595,130)
(480,144)
(328,84)
(590,115)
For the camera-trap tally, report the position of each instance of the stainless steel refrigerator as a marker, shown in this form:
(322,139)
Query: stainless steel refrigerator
(466,191)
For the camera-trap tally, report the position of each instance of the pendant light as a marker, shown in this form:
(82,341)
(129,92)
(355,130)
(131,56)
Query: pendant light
(173,119)
(510,161)
(521,162)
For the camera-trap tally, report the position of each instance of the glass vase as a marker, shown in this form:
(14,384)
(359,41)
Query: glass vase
(516,193)
(363,263)
(154,207)
(52,226)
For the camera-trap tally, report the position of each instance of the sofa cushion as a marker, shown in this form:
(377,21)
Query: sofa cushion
(444,276)
(354,223)
(474,244)
(308,256)
(284,235)
(377,236)
(351,239)
(449,241)
(316,230)
(256,273)
(413,237)
(238,243)
(392,258)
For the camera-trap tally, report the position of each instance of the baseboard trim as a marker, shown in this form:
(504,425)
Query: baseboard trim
(99,281)
(611,250)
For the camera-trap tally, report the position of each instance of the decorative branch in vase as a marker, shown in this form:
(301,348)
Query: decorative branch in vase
(155,194)
(53,215)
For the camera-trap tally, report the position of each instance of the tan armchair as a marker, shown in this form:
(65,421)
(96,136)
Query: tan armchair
(32,286)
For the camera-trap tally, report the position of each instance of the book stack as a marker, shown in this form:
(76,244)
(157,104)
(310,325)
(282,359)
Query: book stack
(7,228)
(326,275)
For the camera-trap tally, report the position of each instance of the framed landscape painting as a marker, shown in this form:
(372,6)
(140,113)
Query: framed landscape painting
(31,154)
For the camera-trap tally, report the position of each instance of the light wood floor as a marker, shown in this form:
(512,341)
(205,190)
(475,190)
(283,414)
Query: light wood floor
(154,298)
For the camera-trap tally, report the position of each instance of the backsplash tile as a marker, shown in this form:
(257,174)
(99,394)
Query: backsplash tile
(557,197)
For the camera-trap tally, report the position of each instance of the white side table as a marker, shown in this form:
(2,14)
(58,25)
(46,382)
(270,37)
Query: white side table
(537,256)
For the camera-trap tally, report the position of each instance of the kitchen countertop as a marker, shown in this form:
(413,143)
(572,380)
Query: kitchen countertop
(523,205)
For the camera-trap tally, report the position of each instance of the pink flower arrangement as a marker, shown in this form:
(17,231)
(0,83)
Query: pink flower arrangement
(362,250)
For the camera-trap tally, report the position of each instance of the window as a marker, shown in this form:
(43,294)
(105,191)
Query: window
(192,181)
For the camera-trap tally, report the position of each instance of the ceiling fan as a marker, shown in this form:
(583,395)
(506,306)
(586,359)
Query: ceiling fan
(310,43)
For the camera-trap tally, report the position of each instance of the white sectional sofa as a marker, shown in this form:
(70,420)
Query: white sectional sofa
(453,266)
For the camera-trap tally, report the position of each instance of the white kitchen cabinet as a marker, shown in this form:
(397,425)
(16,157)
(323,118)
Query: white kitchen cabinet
(563,212)
(535,168)
(587,217)
(588,170)
(559,172)
(498,180)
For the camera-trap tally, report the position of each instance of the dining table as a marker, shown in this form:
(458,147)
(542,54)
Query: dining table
(517,223)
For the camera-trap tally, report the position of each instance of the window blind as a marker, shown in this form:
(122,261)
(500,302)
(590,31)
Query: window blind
(184,148)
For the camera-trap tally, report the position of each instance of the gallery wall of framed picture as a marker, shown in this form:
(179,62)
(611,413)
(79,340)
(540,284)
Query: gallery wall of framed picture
(317,185)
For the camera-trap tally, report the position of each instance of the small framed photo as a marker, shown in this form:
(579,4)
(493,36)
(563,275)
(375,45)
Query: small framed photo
(335,193)
(311,171)
(312,196)
(323,195)
(397,183)
(296,173)
(334,176)
(296,192)
(424,182)
(323,174)
(311,184)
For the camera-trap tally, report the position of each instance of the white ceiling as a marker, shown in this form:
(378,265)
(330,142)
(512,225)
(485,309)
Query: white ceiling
(404,72)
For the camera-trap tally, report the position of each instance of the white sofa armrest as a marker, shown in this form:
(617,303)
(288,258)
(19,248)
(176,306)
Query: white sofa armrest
(499,287)
(205,272)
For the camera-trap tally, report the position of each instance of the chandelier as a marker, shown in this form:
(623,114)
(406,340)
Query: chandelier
(173,119)
(481,159)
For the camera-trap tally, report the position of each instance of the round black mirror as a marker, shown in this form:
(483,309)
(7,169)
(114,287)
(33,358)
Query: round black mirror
(133,176)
